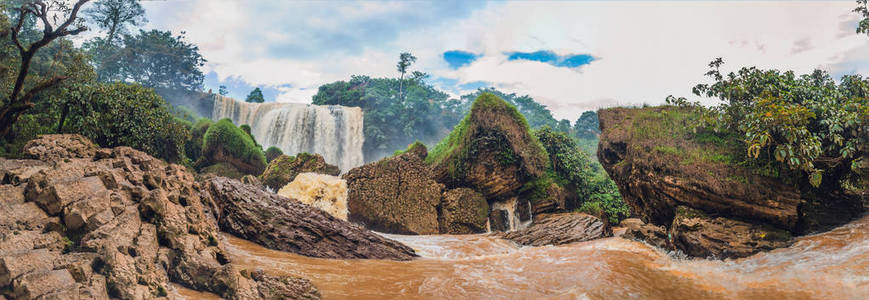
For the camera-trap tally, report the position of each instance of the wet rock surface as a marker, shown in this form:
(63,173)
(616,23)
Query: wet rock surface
(285,224)
(284,169)
(463,211)
(654,235)
(89,223)
(395,195)
(559,229)
(700,235)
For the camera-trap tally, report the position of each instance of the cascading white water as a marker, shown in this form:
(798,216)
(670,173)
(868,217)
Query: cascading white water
(333,131)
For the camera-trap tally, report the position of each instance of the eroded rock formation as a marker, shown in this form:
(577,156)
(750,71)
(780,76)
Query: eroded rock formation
(284,169)
(81,222)
(706,203)
(559,229)
(288,225)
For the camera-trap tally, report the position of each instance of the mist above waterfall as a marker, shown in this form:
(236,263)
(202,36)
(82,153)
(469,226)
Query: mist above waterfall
(333,131)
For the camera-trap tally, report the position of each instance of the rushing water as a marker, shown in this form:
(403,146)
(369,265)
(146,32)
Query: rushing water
(333,131)
(831,265)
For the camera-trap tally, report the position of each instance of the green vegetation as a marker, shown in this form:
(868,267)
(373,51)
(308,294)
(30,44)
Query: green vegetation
(272,153)
(810,128)
(120,114)
(255,96)
(223,169)
(224,142)
(484,127)
(574,171)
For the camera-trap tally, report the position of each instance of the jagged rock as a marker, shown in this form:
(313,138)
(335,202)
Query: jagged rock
(285,224)
(284,169)
(558,229)
(252,180)
(699,235)
(463,211)
(59,146)
(660,169)
(499,220)
(492,151)
(395,195)
(636,229)
(97,223)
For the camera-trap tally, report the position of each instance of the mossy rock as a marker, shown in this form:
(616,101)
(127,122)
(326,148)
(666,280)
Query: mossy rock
(463,211)
(223,142)
(272,153)
(193,147)
(223,169)
(284,169)
(491,150)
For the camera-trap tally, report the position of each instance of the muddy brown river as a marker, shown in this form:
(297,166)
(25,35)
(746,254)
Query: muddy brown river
(831,265)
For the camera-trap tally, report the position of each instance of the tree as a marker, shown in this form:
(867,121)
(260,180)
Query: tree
(255,96)
(121,114)
(112,16)
(587,126)
(863,10)
(157,59)
(222,90)
(405,59)
(15,104)
(811,127)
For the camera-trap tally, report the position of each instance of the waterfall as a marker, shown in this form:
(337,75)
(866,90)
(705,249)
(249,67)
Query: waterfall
(333,131)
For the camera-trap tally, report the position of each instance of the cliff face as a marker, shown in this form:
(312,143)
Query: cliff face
(661,166)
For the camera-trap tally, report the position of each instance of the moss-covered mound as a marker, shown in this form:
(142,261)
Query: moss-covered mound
(491,150)
(660,164)
(272,153)
(284,169)
(223,142)
(193,146)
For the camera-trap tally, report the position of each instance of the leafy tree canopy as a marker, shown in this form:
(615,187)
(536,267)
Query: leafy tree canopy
(255,96)
(812,127)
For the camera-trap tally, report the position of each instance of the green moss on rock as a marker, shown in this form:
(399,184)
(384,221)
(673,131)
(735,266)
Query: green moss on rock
(284,169)
(223,142)
(491,150)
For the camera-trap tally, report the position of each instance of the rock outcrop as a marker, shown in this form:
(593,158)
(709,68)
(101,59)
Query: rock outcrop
(463,211)
(492,151)
(82,222)
(395,195)
(559,229)
(288,225)
(284,169)
(659,166)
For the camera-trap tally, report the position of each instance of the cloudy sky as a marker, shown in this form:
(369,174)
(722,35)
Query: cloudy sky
(571,56)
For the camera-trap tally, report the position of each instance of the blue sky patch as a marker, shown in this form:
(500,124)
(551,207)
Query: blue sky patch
(549,57)
(458,58)
(238,89)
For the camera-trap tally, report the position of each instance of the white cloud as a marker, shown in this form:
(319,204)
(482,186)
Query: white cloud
(645,50)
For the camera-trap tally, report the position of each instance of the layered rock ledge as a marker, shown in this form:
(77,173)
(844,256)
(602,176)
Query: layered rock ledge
(77,221)
(709,205)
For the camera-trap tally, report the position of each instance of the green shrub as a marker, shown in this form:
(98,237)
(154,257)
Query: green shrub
(223,141)
(272,153)
(812,127)
(193,146)
(120,114)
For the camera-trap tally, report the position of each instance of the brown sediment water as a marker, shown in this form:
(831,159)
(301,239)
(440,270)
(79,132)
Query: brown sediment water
(830,265)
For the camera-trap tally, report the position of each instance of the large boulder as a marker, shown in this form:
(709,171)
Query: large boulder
(559,229)
(463,211)
(224,143)
(395,195)
(91,223)
(492,151)
(284,169)
(286,224)
(659,165)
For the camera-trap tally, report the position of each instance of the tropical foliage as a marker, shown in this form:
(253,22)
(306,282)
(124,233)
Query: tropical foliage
(812,127)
